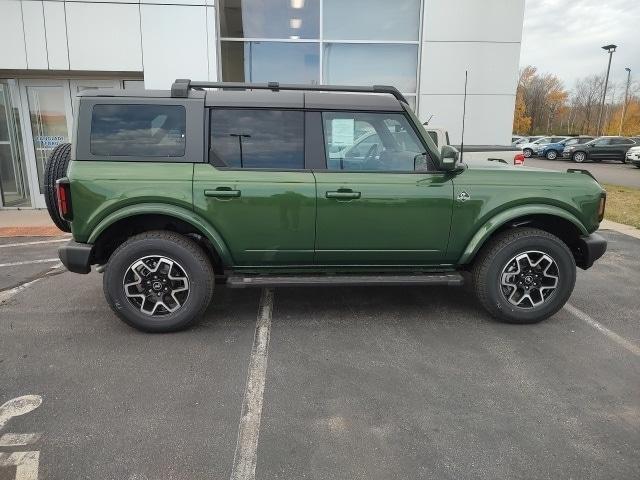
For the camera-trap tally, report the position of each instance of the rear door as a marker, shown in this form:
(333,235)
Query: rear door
(255,190)
(600,149)
(388,208)
(620,147)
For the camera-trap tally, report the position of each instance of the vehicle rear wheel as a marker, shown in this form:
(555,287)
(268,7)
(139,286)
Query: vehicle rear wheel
(527,152)
(159,281)
(524,275)
(579,157)
(551,155)
(55,169)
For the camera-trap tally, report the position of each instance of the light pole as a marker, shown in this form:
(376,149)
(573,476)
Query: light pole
(626,96)
(240,137)
(610,49)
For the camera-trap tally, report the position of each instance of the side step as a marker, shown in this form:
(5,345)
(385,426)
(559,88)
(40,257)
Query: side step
(243,281)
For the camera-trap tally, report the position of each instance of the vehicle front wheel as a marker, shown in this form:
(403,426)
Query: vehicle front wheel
(524,275)
(527,152)
(551,155)
(159,281)
(579,157)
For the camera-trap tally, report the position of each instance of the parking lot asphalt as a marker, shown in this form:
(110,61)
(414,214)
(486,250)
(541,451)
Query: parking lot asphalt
(606,171)
(360,383)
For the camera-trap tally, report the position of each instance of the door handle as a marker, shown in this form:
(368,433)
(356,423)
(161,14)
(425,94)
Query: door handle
(222,192)
(343,195)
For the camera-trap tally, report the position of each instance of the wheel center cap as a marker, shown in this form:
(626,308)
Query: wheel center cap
(157,285)
(528,279)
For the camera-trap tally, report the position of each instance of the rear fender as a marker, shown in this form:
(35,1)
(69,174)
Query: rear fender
(168,210)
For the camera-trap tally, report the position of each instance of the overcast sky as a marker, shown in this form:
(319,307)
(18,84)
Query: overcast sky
(564,37)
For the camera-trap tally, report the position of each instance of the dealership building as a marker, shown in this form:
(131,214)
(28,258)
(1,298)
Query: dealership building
(52,49)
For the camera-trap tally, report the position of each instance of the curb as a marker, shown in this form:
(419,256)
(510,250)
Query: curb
(620,228)
(33,231)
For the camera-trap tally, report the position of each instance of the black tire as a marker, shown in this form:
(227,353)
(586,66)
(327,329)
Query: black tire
(579,157)
(551,155)
(54,169)
(189,259)
(527,152)
(496,256)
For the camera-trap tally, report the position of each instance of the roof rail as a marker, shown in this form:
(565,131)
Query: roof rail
(181,87)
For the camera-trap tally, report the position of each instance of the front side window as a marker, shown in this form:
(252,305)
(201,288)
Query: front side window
(571,141)
(246,138)
(602,142)
(138,130)
(371,142)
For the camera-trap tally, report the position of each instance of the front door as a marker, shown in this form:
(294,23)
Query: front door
(255,191)
(387,208)
(48,125)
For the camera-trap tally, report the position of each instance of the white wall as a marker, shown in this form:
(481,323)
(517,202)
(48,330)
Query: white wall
(178,41)
(71,35)
(482,37)
(12,49)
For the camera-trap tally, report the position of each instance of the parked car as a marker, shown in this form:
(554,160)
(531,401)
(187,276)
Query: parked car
(524,140)
(551,151)
(170,194)
(601,148)
(475,153)
(528,149)
(633,155)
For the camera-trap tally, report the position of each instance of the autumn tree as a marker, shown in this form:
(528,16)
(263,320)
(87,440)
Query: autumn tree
(521,122)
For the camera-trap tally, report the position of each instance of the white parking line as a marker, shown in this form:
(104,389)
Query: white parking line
(244,458)
(26,464)
(29,262)
(37,242)
(18,439)
(632,347)
(7,294)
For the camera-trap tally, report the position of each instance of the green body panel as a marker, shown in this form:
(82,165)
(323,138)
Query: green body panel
(399,218)
(279,220)
(99,189)
(272,222)
(500,194)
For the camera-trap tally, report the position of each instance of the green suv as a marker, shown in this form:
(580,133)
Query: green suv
(170,193)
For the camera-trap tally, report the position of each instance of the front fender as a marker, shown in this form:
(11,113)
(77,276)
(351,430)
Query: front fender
(168,210)
(500,219)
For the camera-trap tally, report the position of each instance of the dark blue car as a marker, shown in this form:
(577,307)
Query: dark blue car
(554,150)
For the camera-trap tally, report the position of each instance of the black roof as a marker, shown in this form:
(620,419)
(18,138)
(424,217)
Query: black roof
(271,95)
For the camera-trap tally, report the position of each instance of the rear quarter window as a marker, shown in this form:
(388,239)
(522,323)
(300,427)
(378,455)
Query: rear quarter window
(138,130)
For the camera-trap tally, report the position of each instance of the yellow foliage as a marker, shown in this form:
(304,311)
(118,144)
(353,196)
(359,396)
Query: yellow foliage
(521,122)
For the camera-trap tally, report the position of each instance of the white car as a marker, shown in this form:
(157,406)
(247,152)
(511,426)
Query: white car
(528,149)
(633,156)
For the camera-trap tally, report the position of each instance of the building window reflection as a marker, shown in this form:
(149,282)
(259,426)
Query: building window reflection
(359,42)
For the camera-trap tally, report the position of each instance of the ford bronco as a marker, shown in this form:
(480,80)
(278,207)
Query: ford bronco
(169,193)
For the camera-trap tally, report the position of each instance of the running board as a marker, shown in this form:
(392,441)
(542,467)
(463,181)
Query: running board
(240,281)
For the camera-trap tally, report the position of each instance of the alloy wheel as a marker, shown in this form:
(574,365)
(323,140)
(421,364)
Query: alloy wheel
(552,155)
(156,285)
(529,279)
(579,157)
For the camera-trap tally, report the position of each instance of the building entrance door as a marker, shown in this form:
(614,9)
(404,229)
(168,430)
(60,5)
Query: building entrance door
(14,184)
(49,123)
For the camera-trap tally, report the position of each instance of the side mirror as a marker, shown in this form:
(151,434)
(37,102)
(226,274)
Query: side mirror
(449,156)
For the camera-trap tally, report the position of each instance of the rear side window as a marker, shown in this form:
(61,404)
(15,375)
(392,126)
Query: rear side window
(138,130)
(246,138)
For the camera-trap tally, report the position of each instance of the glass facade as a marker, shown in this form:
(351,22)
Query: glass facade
(359,42)
(14,185)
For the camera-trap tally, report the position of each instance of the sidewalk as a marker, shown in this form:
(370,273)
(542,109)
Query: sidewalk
(27,223)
